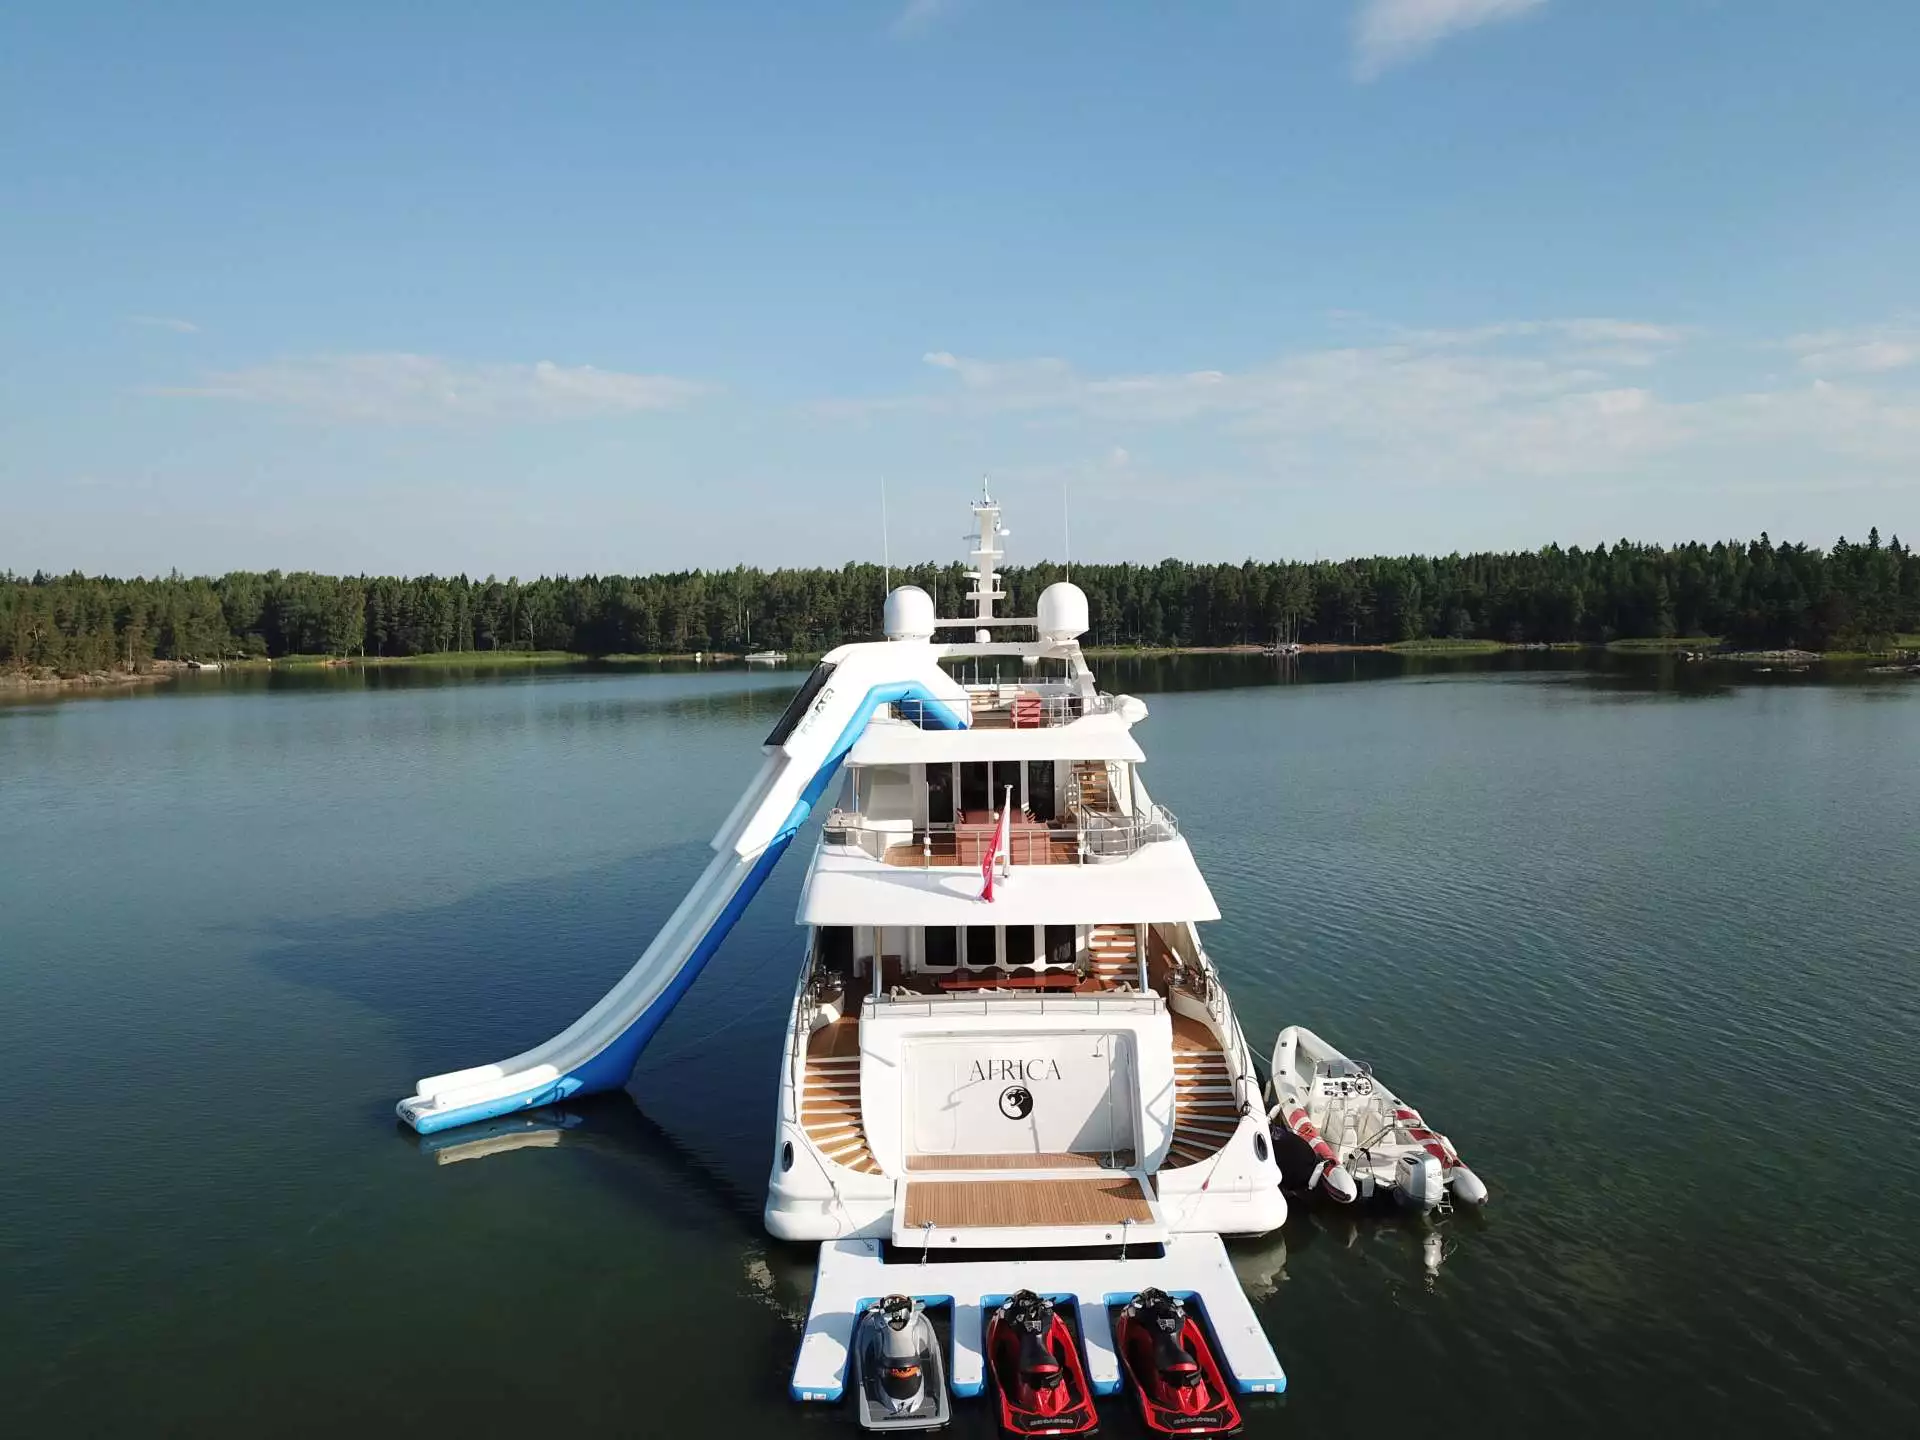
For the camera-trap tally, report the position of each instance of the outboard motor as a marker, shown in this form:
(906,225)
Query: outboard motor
(901,1380)
(1419,1181)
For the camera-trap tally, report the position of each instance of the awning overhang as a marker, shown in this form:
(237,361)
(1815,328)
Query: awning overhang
(1158,883)
(1096,737)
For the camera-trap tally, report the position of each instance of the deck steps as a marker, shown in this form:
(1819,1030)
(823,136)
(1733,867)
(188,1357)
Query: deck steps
(1113,954)
(1205,1111)
(1094,784)
(830,1111)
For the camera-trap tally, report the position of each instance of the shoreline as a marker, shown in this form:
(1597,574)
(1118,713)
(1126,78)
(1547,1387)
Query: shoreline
(27,682)
(1689,648)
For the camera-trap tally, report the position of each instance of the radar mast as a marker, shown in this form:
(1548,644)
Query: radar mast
(986,555)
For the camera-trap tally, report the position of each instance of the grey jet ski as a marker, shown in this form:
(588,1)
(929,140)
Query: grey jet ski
(899,1382)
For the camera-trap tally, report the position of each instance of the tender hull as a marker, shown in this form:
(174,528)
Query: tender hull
(1338,1129)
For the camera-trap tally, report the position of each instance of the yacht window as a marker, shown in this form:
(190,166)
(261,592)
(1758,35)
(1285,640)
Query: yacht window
(942,951)
(1019,945)
(983,946)
(973,786)
(1061,946)
(1040,789)
(836,949)
(1006,776)
(940,794)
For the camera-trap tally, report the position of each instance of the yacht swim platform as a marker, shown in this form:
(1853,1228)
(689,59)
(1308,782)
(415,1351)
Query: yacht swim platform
(1194,1267)
(1106,1201)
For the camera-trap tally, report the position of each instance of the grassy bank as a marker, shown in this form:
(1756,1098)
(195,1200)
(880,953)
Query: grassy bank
(1447,647)
(1671,642)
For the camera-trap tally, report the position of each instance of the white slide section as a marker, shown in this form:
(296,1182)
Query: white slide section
(597,1051)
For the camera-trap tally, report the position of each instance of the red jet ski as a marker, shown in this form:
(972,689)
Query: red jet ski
(1036,1370)
(1175,1376)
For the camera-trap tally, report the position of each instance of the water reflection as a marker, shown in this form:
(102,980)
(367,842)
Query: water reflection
(613,1127)
(1405,1245)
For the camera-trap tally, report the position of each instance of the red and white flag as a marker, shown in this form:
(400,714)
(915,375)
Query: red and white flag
(999,846)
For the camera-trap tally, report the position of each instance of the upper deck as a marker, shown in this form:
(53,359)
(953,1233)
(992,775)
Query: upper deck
(920,812)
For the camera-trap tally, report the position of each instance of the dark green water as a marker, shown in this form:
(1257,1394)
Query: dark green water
(1642,939)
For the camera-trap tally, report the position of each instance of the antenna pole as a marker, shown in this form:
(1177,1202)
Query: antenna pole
(886,553)
(1066,527)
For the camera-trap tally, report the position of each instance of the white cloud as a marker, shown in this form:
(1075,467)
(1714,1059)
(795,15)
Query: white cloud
(1392,32)
(165,322)
(918,16)
(1528,398)
(402,387)
(1868,350)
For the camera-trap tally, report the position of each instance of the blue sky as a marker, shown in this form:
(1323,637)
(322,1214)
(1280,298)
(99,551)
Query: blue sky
(512,289)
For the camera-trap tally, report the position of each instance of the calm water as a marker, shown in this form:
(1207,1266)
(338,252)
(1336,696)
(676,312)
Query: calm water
(1642,939)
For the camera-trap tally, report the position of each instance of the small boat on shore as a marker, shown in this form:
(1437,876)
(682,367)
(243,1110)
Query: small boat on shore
(766,657)
(1353,1138)
(899,1383)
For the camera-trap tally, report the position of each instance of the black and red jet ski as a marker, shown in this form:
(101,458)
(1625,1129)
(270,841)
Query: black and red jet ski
(1036,1370)
(1177,1380)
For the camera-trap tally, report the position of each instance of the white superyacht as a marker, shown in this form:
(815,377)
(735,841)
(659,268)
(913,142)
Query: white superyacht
(1010,1065)
(1057,1065)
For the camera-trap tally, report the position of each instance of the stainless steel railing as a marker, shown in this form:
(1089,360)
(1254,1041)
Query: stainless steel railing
(1091,836)
(1003,704)
(1002,1002)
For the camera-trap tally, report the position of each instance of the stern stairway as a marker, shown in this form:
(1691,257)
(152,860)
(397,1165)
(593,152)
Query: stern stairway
(830,1112)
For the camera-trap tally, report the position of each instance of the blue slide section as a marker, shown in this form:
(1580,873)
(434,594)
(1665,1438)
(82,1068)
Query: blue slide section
(608,1067)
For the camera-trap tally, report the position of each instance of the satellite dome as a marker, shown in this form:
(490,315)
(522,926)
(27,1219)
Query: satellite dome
(1063,612)
(908,614)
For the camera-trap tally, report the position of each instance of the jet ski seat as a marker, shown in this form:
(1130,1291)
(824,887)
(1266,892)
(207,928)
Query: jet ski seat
(1037,1363)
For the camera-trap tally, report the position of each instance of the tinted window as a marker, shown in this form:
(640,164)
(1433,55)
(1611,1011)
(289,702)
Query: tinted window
(1040,789)
(943,947)
(1060,944)
(1006,777)
(973,787)
(982,948)
(1019,945)
(836,948)
(940,794)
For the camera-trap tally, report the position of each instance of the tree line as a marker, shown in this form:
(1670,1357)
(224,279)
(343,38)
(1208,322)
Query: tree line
(1754,594)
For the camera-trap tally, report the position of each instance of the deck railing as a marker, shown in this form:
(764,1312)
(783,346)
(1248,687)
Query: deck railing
(1089,837)
(1108,836)
(1017,706)
(1002,1002)
(1195,974)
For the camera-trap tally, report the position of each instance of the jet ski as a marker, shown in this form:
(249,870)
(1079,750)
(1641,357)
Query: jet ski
(897,1376)
(1175,1377)
(1036,1370)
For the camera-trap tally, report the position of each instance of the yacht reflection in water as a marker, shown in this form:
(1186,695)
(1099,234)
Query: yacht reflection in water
(612,1125)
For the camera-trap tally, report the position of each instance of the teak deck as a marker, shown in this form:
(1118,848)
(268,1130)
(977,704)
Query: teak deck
(1002,1204)
(1029,1160)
